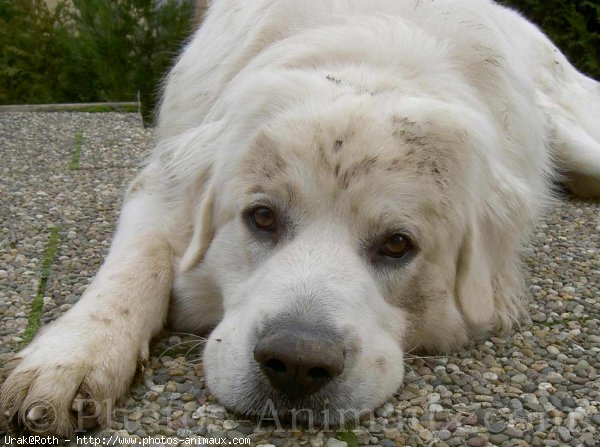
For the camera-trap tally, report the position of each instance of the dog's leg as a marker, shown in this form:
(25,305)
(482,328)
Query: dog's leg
(571,103)
(79,365)
(569,100)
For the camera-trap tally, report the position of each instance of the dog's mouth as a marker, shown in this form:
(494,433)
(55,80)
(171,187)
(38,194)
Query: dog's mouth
(328,406)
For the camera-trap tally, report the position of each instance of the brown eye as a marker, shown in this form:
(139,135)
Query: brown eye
(395,246)
(263,219)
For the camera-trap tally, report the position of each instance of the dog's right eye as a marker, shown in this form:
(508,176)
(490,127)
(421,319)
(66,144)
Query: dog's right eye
(395,246)
(263,219)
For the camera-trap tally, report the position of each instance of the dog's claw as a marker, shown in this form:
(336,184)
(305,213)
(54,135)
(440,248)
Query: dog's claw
(76,406)
(35,413)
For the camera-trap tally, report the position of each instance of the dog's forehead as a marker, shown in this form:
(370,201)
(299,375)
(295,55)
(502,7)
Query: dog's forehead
(366,159)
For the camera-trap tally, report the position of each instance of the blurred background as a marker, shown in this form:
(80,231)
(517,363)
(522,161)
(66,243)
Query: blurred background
(68,51)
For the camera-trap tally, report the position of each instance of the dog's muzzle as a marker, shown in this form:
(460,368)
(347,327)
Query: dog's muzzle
(299,358)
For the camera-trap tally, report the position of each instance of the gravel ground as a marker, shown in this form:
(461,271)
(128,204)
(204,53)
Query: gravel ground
(537,386)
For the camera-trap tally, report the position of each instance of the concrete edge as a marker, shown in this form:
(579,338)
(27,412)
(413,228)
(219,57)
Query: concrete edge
(65,107)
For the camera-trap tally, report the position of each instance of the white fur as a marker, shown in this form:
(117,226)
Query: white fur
(453,117)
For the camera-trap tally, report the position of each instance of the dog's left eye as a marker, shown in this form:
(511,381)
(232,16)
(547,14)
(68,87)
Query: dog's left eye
(263,219)
(396,246)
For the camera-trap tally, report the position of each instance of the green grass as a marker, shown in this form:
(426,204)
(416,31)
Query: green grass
(76,155)
(98,109)
(582,320)
(105,109)
(35,316)
(348,437)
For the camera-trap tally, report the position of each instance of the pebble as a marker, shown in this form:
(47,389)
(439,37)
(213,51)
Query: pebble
(516,404)
(554,377)
(476,442)
(333,442)
(519,378)
(496,427)
(443,435)
(435,408)
(564,434)
(135,416)
(498,439)
(425,435)
(391,433)
(513,432)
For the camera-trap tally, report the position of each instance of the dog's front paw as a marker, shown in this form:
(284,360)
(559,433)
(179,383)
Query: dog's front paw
(66,380)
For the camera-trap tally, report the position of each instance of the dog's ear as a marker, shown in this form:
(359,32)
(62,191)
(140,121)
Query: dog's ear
(473,287)
(489,285)
(187,164)
(203,232)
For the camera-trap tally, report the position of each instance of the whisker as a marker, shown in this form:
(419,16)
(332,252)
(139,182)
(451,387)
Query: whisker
(415,357)
(193,347)
(420,379)
(194,361)
(185,342)
(189,334)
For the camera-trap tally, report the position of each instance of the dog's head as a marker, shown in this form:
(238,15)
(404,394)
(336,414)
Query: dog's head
(340,235)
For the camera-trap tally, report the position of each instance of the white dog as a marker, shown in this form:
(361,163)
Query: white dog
(335,182)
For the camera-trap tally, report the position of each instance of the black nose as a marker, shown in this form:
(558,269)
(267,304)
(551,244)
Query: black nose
(299,360)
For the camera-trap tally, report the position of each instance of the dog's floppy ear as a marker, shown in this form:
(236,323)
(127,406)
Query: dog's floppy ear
(489,285)
(203,232)
(188,162)
(473,287)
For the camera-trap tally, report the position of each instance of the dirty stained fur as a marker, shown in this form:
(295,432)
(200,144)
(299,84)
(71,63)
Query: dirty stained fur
(444,122)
